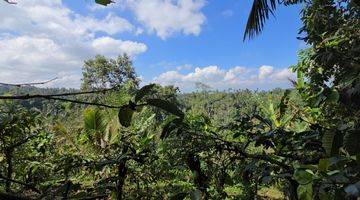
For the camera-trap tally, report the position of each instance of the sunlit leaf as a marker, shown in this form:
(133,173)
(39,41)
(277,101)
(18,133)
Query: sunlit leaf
(305,192)
(323,164)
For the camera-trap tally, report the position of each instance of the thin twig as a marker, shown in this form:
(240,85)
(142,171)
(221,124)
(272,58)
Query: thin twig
(10,2)
(78,102)
(21,183)
(58,97)
(28,84)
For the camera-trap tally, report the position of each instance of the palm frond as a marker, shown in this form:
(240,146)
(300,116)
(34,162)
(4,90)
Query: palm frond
(260,12)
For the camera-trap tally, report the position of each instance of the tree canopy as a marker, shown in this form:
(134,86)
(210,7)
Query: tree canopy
(116,140)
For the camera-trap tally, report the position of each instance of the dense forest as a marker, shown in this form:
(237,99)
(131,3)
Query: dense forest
(115,138)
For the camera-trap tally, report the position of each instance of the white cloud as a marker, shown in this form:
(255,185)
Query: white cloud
(265,77)
(233,74)
(167,17)
(265,71)
(113,47)
(283,75)
(41,39)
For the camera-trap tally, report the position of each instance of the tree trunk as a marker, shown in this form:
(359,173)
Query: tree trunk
(121,179)
(8,155)
(200,179)
(292,192)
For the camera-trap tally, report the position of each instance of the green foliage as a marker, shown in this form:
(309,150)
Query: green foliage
(143,92)
(298,144)
(102,72)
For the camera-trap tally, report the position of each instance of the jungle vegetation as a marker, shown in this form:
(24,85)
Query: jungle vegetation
(117,139)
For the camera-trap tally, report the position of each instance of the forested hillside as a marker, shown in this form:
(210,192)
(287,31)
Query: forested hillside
(116,139)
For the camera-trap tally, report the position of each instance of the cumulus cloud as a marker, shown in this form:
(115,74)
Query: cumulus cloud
(112,47)
(265,71)
(41,39)
(167,17)
(265,77)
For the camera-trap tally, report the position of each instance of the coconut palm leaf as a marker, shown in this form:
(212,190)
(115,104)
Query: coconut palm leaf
(260,12)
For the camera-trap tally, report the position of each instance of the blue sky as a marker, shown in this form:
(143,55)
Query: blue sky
(178,42)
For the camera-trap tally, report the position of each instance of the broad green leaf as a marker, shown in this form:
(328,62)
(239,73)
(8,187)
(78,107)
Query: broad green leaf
(104,2)
(333,172)
(300,83)
(170,124)
(167,106)
(94,120)
(323,164)
(303,177)
(143,92)
(327,142)
(305,192)
(125,115)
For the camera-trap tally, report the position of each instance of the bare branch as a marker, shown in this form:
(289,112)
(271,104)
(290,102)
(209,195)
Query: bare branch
(59,97)
(79,102)
(28,84)
(10,2)
(21,183)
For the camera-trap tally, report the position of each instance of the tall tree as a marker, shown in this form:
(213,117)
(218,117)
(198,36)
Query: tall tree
(102,72)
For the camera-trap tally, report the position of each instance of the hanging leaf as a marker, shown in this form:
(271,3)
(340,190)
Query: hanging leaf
(300,83)
(323,164)
(331,142)
(143,92)
(125,115)
(333,96)
(169,126)
(104,2)
(303,177)
(167,106)
(305,192)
